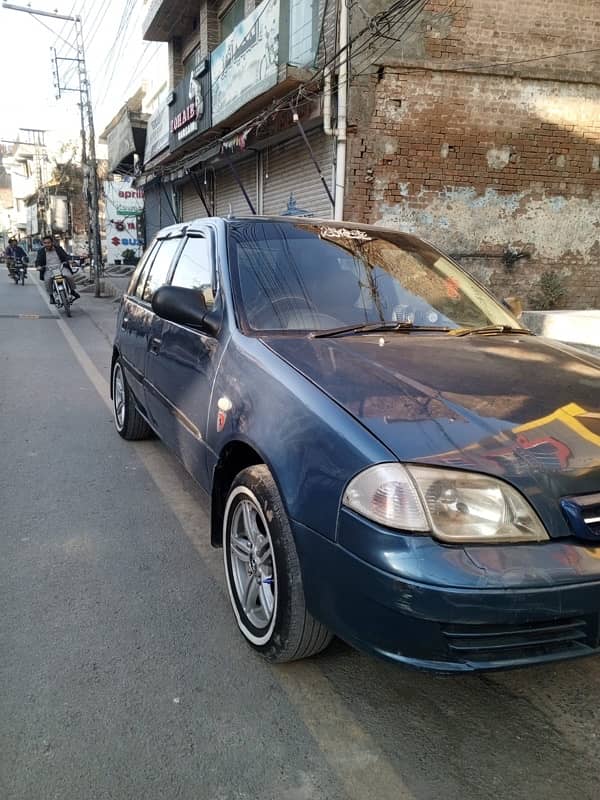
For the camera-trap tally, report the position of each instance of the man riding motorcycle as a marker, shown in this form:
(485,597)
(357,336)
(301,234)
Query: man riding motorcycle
(13,253)
(52,255)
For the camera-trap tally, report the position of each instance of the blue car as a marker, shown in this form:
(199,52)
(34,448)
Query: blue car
(388,455)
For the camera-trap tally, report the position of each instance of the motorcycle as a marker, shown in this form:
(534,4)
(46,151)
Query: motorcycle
(59,289)
(17,270)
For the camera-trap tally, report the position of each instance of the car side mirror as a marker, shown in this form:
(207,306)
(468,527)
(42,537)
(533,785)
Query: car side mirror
(185,307)
(514,305)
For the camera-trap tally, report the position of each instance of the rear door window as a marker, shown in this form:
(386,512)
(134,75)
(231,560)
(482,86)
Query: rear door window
(161,265)
(194,269)
(139,279)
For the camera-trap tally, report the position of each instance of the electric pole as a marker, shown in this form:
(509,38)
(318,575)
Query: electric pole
(90,165)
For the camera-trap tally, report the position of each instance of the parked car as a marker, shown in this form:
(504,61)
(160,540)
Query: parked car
(389,456)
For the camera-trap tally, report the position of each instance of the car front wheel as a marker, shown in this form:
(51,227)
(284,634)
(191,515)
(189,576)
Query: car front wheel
(263,571)
(128,421)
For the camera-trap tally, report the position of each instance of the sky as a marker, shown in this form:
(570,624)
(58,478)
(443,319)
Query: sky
(116,55)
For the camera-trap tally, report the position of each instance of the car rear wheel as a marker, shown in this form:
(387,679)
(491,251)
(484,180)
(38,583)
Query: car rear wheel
(263,572)
(128,421)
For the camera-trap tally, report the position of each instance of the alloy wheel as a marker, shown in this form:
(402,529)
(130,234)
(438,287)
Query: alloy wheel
(119,397)
(251,558)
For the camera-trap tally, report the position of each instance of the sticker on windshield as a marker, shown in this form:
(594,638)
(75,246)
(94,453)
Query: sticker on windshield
(346,233)
(452,290)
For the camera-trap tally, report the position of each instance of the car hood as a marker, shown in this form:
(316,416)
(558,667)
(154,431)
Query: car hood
(515,406)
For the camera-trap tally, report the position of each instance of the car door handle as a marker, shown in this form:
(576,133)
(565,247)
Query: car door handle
(155,343)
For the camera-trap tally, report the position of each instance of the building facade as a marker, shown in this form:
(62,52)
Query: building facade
(480,130)
(474,125)
(225,149)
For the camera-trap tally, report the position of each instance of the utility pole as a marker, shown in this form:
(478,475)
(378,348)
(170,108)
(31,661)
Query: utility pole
(90,165)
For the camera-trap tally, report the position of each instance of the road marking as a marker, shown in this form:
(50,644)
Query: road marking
(353,755)
(27,316)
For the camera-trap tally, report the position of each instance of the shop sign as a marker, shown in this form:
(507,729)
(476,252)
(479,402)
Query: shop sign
(246,63)
(157,133)
(189,109)
(124,207)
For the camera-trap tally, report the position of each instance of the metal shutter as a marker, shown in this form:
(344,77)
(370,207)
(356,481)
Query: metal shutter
(191,204)
(288,168)
(228,193)
(157,211)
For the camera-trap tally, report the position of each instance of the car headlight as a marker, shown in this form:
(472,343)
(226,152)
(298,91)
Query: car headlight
(454,506)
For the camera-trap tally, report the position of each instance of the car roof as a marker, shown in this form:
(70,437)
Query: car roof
(302,221)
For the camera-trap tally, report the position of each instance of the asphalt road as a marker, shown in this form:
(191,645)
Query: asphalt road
(122,674)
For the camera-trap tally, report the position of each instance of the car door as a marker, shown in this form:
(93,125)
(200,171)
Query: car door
(181,366)
(140,320)
(133,323)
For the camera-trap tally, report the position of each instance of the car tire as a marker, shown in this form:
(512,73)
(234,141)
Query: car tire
(263,572)
(128,421)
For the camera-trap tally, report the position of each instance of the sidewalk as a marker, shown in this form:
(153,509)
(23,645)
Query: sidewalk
(101,310)
(113,283)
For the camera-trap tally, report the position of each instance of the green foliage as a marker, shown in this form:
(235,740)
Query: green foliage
(549,293)
(129,256)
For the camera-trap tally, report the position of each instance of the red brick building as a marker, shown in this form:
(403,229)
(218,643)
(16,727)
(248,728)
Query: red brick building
(480,130)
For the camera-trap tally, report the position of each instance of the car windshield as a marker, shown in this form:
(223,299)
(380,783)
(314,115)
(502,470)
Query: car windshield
(317,277)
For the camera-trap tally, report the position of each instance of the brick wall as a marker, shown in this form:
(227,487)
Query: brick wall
(175,62)
(483,164)
(492,31)
(327,31)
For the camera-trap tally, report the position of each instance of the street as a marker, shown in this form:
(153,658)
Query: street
(123,675)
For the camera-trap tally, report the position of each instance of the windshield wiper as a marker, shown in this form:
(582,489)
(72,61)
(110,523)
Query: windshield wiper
(490,330)
(375,327)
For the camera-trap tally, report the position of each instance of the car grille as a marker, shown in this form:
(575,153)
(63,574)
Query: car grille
(506,644)
(583,514)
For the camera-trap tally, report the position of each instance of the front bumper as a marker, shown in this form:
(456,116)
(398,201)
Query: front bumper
(411,600)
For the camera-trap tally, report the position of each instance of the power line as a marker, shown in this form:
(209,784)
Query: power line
(397,12)
(62,30)
(121,31)
(118,42)
(562,54)
(142,66)
(374,29)
(95,23)
(48,28)
(407,20)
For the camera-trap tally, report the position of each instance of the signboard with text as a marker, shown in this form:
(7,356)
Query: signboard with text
(124,207)
(246,63)
(190,109)
(157,133)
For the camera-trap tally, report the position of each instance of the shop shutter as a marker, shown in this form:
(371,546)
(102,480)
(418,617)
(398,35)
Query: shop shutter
(191,204)
(228,193)
(288,169)
(157,212)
